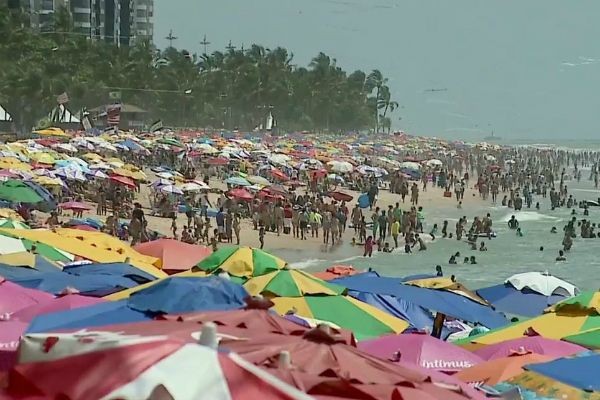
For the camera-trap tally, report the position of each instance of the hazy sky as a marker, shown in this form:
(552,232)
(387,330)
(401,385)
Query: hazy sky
(523,68)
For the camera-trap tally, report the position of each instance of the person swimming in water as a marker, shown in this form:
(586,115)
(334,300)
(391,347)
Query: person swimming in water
(473,260)
(452,260)
(513,223)
(553,230)
(561,256)
(519,232)
(482,247)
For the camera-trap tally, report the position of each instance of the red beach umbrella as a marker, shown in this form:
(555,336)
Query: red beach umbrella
(241,194)
(74,205)
(123,180)
(340,196)
(218,161)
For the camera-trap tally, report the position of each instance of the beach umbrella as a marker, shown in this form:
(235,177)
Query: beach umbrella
(218,161)
(49,252)
(241,194)
(9,213)
(499,370)
(564,378)
(446,302)
(170,142)
(100,165)
(543,283)
(170,189)
(280,159)
(193,187)
(51,132)
(18,192)
(123,180)
(410,165)
(340,196)
(290,283)
(98,174)
(258,180)
(71,174)
(278,174)
(43,158)
(346,312)
(126,293)
(175,256)
(118,270)
(531,344)
(74,205)
(525,302)
(141,368)
(421,349)
(242,262)
(31,260)
(161,182)
(569,317)
(14,297)
(186,294)
(12,224)
(237,181)
(340,166)
(434,163)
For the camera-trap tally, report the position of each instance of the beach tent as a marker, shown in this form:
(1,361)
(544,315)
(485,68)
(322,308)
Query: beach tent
(175,256)
(446,302)
(241,262)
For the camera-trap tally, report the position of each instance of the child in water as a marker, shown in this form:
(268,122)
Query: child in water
(387,248)
(433,231)
(519,233)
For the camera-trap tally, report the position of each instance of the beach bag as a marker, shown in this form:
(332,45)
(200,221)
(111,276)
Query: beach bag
(447,193)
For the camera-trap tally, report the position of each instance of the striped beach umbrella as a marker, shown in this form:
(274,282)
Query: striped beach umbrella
(291,283)
(242,262)
(346,312)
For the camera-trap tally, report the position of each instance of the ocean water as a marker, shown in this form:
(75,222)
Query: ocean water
(507,254)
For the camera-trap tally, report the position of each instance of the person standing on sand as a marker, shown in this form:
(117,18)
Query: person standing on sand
(356,216)
(335,229)
(261,237)
(236,228)
(395,231)
(414,194)
(220,218)
(326,224)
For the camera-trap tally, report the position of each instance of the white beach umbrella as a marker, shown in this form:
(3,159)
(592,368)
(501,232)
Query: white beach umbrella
(340,167)
(98,174)
(280,159)
(165,175)
(543,283)
(171,189)
(104,166)
(434,162)
(193,187)
(161,182)
(410,165)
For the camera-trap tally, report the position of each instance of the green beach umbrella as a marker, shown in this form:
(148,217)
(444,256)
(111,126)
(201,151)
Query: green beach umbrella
(17,191)
(241,262)
(365,320)
(171,142)
(13,224)
(47,251)
(291,283)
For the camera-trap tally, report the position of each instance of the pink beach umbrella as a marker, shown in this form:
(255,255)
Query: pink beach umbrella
(10,333)
(68,302)
(14,297)
(529,344)
(420,349)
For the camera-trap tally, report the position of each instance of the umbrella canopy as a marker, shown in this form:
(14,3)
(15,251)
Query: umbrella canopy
(123,180)
(499,370)
(340,196)
(170,189)
(258,180)
(421,349)
(121,270)
(9,245)
(237,181)
(33,261)
(340,166)
(589,339)
(68,302)
(569,317)
(531,344)
(175,256)
(446,302)
(526,302)
(543,283)
(140,368)
(363,319)
(74,205)
(14,297)
(185,294)
(565,378)
(241,194)
(243,262)
(18,192)
(290,283)
(13,224)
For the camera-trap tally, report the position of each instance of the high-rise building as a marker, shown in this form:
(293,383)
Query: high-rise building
(122,22)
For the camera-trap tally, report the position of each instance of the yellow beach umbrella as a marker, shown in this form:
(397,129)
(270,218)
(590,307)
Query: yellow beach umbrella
(14,163)
(242,262)
(47,181)
(291,283)
(92,156)
(51,132)
(363,319)
(43,158)
(8,213)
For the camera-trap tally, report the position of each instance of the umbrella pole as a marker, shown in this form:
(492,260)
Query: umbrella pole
(438,324)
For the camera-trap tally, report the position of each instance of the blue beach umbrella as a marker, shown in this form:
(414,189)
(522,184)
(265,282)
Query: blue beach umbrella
(446,302)
(122,270)
(525,302)
(187,294)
